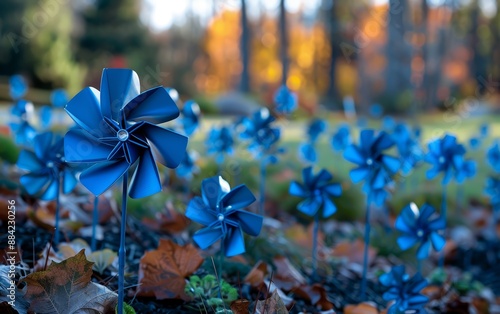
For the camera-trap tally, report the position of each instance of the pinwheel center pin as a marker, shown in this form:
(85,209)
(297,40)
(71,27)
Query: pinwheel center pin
(441,159)
(420,233)
(122,135)
(369,161)
(49,164)
(220,217)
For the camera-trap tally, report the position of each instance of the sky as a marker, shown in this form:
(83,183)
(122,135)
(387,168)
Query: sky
(161,14)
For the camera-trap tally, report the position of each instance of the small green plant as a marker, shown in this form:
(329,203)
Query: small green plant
(205,293)
(466,284)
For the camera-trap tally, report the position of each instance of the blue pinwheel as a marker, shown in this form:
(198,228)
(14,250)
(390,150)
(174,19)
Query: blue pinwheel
(47,171)
(45,117)
(307,153)
(188,167)
(24,133)
(17,87)
(341,138)
(21,108)
(410,152)
(118,130)
(420,226)
(315,128)
(220,210)
(403,290)
(307,150)
(474,143)
(376,169)
(190,117)
(220,142)
(285,100)
(484,130)
(493,156)
(59,98)
(316,190)
(376,111)
(446,156)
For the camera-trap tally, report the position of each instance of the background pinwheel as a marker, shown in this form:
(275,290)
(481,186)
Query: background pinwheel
(493,156)
(220,142)
(404,290)
(190,117)
(307,150)
(17,87)
(420,226)
(445,155)
(47,171)
(376,169)
(316,190)
(59,98)
(188,167)
(220,210)
(341,139)
(118,129)
(409,150)
(285,100)
(492,189)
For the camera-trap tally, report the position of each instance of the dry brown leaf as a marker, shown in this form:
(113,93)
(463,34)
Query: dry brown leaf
(433,292)
(286,276)
(273,304)
(353,251)
(316,294)
(362,308)
(162,272)
(482,305)
(240,306)
(104,208)
(65,287)
(257,275)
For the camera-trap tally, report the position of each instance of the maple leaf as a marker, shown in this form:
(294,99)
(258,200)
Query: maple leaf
(162,272)
(65,288)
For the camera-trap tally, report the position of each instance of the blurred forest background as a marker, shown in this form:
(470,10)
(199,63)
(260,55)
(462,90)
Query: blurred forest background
(407,55)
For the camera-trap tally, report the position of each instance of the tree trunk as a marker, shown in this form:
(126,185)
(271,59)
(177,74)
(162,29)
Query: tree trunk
(284,43)
(245,50)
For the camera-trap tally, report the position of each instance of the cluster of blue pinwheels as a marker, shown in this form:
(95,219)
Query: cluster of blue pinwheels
(307,150)
(117,128)
(286,101)
(220,142)
(220,210)
(403,290)
(420,226)
(410,152)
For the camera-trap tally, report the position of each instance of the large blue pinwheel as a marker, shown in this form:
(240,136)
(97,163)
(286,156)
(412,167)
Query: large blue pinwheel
(220,210)
(220,142)
(409,150)
(493,156)
(190,117)
(285,100)
(404,290)
(420,226)
(118,130)
(316,191)
(47,171)
(341,139)
(376,169)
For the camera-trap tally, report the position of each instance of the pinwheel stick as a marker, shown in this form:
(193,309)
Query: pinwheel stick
(443,214)
(315,246)
(262,186)
(121,251)
(367,243)
(95,220)
(56,226)
(221,261)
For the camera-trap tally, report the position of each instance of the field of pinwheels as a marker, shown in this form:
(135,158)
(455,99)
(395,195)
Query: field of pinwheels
(129,201)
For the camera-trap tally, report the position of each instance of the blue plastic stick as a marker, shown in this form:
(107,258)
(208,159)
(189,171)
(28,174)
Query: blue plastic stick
(95,221)
(121,251)
(56,235)
(315,246)
(443,214)
(262,186)
(367,243)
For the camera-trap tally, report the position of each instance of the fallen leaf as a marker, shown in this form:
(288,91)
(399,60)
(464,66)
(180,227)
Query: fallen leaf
(240,306)
(362,308)
(102,259)
(273,304)
(171,221)
(481,305)
(65,287)
(65,251)
(162,272)
(256,275)
(353,251)
(316,294)
(104,208)
(286,276)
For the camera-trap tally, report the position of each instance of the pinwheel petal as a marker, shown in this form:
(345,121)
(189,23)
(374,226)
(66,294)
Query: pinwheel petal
(354,155)
(383,142)
(307,175)
(118,87)
(163,140)
(98,178)
(27,160)
(249,222)
(85,110)
(234,243)
(307,153)
(418,299)
(366,138)
(407,241)
(379,180)
(59,98)
(146,179)
(45,116)
(359,174)
(423,250)
(213,189)
(402,225)
(154,105)
(329,207)
(333,189)
(432,173)
(448,142)
(237,198)
(207,236)
(69,181)
(438,241)
(426,212)
(198,212)
(82,147)
(297,189)
(391,163)
(322,176)
(51,191)
(43,142)
(310,206)
(34,183)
